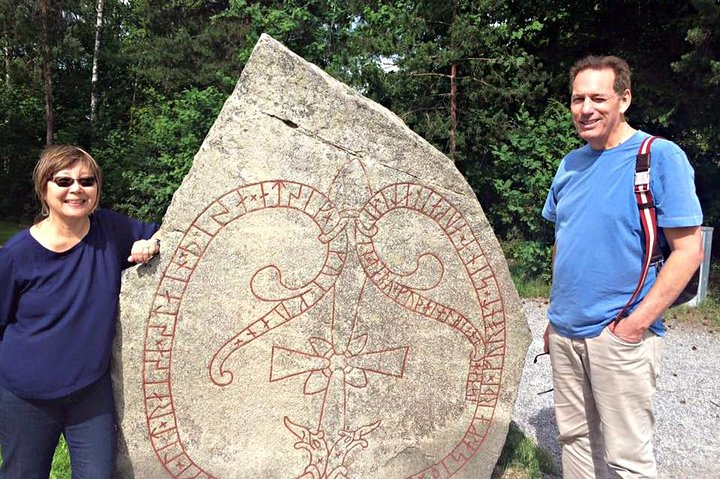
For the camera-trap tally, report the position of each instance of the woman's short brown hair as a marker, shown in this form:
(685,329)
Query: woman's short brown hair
(59,157)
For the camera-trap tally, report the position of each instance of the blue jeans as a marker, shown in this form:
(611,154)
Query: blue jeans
(30,429)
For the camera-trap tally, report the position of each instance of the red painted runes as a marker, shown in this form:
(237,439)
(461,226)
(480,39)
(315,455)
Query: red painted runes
(346,234)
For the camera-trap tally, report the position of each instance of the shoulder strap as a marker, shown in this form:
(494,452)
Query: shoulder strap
(648,219)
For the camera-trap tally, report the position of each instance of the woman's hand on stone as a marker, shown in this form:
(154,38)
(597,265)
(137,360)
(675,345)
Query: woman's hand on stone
(142,251)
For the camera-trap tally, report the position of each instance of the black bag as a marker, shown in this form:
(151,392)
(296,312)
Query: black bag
(691,289)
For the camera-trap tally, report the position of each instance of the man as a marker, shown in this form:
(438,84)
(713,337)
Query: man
(604,366)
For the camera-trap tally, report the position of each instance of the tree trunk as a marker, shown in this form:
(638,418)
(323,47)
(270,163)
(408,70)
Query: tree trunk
(452,147)
(47,73)
(8,22)
(453,111)
(6,51)
(95,69)
(6,55)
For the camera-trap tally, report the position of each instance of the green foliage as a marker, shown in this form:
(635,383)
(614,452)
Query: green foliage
(510,60)
(22,116)
(700,66)
(673,48)
(532,288)
(529,261)
(21,134)
(178,44)
(321,31)
(426,41)
(145,164)
(694,118)
(523,169)
(7,230)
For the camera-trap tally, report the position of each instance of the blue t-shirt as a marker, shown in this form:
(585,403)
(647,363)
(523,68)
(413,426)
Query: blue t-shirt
(58,310)
(598,236)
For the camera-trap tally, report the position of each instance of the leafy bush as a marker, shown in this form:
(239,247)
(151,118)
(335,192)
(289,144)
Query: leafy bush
(529,261)
(145,165)
(22,136)
(524,168)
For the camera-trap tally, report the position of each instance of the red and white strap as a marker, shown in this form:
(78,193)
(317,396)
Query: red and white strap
(648,218)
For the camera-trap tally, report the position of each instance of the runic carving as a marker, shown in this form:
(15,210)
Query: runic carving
(343,357)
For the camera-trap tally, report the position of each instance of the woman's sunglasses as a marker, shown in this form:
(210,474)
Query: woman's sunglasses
(67,182)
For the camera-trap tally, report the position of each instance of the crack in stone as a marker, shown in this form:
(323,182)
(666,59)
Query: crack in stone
(289,123)
(357,154)
(401,171)
(314,135)
(425,181)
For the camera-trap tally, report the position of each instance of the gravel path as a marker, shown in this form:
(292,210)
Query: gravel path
(687,404)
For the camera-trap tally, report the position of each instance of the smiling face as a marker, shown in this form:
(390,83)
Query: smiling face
(70,200)
(598,111)
(74,201)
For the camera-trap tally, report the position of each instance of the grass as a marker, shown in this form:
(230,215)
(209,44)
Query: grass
(707,314)
(520,458)
(534,288)
(60,463)
(523,458)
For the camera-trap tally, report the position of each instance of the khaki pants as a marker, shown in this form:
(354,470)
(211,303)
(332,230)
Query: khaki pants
(604,389)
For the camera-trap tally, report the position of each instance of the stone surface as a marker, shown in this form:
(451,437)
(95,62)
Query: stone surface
(330,301)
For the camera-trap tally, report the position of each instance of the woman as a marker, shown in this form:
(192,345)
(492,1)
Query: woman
(58,305)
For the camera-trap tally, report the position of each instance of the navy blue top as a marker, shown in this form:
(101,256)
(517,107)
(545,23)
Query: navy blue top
(58,310)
